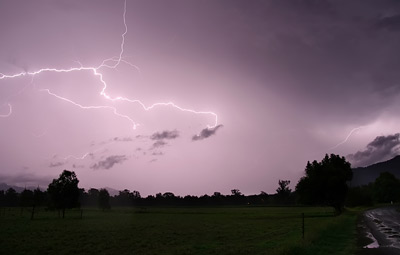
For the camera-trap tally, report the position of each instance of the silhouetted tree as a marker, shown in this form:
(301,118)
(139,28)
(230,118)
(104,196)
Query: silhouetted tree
(136,198)
(92,197)
(237,197)
(11,197)
(124,198)
(26,198)
(360,196)
(2,198)
(236,192)
(104,199)
(39,197)
(64,191)
(325,182)
(283,191)
(386,188)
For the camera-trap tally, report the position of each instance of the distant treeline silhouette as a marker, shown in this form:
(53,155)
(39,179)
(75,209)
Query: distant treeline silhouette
(94,198)
(324,184)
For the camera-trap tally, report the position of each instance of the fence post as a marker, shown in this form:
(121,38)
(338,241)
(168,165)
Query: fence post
(33,212)
(302,225)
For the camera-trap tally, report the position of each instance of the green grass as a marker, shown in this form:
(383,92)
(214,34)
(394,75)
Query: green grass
(207,230)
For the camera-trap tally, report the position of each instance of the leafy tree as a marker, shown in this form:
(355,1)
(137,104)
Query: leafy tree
(236,192)
(325,182)
(360,196)
(217,194)
(237,197)
(136,194)
(11,197)
(386,188)
(26,198)
(64,191)
(104,199)
(124,198)
(2,198)
(92,197)
(38,197)
(283,190)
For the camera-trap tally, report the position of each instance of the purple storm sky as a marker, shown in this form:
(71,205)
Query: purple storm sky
(289,81)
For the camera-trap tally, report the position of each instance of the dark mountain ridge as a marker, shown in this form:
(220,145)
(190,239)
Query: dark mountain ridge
(366,175)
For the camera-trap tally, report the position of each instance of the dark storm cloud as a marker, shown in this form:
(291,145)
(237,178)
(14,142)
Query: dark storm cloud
(390,23)
(109,162)
(319,52)
(157,153)
(158,144)
(122,139)
(165,135)
(380,149)
(56,164)
(205,133)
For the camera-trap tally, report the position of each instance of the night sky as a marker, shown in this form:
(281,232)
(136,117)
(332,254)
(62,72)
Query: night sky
(255,90)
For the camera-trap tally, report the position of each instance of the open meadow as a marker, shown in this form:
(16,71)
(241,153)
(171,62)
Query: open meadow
(178,230)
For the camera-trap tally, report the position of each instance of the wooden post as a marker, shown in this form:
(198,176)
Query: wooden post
(302,226)
(33,212)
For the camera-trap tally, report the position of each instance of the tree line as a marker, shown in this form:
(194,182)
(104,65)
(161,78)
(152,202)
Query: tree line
(325,184)
(63,195)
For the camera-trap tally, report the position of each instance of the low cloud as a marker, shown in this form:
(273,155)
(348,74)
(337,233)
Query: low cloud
(205,133)
(158,144)
(380,149)
(109,162)
(123,139)
(390,22)
(160,138)
(56,164)
(28,179)
(157,153)
(165,135)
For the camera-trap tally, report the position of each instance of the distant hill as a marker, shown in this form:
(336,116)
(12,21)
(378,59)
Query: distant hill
(112,192)
(18,189)
(365,175)
(4,186)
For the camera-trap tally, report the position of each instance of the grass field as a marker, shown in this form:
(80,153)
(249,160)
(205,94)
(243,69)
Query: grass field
(213,230)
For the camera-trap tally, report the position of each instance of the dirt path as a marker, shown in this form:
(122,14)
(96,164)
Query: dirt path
(380,231)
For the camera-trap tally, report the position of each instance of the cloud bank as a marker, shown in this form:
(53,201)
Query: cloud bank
(165,135)
(109,162)
(380,149)
(56,164)
(205,133)
(160,137)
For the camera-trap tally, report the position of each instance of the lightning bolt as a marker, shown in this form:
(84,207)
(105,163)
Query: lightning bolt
(347,137)
(81,157)
(111,63)
(9,112)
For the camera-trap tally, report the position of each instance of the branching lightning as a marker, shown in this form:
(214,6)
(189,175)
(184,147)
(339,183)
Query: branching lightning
(111,63)
(9,112)
(83,156)
(347,138)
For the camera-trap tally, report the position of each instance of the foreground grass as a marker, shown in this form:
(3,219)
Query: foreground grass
(238,230)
